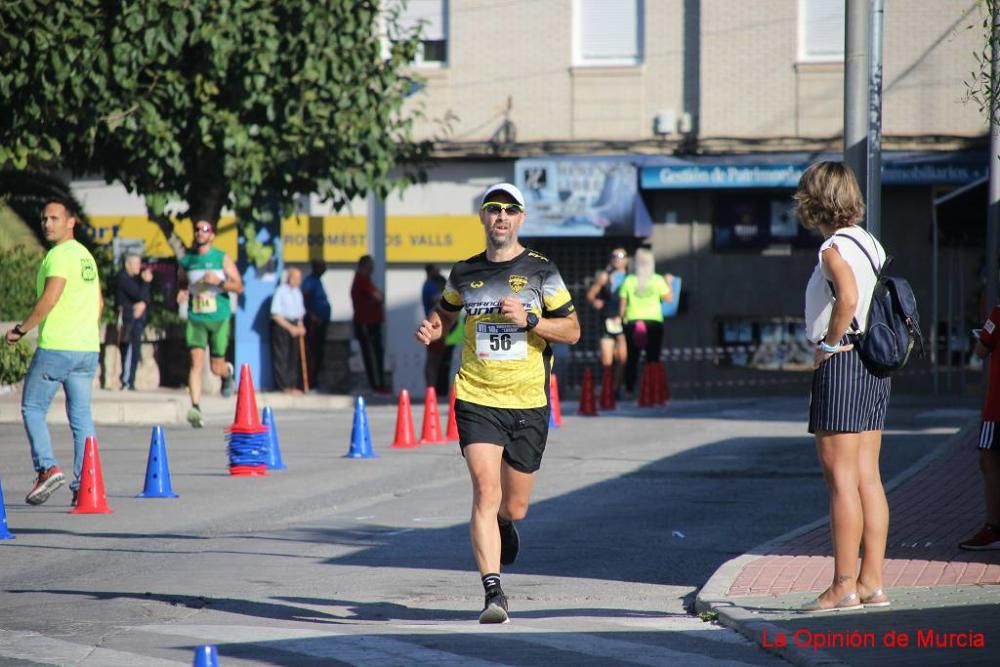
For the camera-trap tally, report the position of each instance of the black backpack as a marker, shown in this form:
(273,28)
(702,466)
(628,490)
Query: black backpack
(893,322)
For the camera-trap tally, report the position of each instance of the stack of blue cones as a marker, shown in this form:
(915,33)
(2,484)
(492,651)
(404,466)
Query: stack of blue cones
(247,451)
(274,461)
(157,468)
(5,534)
(361,436)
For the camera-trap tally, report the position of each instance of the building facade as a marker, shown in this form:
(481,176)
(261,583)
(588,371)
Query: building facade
(683,124)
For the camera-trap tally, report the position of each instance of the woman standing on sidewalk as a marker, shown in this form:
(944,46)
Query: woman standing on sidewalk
(848,404)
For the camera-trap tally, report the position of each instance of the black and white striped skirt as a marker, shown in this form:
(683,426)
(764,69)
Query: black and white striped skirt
(846,398)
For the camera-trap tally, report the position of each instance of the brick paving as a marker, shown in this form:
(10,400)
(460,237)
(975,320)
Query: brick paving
(930,513)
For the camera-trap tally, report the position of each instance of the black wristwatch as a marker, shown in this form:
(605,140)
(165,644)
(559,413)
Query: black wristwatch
(532,322)
(19,331)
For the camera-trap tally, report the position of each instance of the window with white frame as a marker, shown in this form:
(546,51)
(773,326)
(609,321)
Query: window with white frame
(432,18)
(821,30)
(607,32)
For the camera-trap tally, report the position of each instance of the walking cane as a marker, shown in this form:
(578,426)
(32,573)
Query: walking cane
(302,359)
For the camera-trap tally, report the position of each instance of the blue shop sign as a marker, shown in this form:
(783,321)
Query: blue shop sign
(682,175)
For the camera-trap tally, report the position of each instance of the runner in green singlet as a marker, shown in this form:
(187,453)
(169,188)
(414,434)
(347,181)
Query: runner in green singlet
(210,275)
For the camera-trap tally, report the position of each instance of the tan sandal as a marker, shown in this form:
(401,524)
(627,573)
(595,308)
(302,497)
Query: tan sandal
(845,603)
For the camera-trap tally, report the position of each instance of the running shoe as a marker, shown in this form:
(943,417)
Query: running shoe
(46,484)
(229,381)
(195,419)
(987,539)
(510,541)
(495,609)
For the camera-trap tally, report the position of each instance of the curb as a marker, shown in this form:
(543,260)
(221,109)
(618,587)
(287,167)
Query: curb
(712,596)
(144,408)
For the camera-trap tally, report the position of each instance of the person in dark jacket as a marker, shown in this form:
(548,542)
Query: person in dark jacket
(133,303)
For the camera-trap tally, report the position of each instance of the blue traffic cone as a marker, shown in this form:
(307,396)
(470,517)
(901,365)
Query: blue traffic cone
(274,461)
(361,436)
(5,534)
(206,656)
(157,469)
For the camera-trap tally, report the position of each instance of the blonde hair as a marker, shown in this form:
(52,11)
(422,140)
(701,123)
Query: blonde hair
(645,264)
(828,194)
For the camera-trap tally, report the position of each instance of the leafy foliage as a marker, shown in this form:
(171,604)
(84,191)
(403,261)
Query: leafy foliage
(220,102)
(14,362)
(979,87)
(18,267)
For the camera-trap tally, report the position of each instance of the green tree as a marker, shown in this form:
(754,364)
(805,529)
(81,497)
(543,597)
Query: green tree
(240,103)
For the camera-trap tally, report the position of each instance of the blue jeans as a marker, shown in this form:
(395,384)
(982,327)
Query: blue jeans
(75,372)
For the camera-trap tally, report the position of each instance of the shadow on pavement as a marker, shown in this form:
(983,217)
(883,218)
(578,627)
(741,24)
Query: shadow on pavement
(694,511)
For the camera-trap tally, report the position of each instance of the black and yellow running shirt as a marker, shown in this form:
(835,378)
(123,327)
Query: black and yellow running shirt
(504,365)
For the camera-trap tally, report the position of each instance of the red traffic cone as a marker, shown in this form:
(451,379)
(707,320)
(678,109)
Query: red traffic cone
(452,434)
(588,406)
(608,388)
(555,405)
(91,498)
(662,386)
(404,423)
(647,389)
(430,433)
(247,419)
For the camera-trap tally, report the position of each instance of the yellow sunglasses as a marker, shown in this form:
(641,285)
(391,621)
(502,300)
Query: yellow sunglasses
(494,208)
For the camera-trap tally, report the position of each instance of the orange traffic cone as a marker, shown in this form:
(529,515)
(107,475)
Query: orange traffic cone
(608,389)
(430,433)
(247,419)
(404,423)
(555,406)
(452,434)
(91,498)
(588,406)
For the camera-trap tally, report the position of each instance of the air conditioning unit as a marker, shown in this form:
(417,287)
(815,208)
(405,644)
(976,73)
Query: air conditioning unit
(665,123)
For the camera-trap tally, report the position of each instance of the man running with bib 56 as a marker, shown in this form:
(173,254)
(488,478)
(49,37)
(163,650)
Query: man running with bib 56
(516,304)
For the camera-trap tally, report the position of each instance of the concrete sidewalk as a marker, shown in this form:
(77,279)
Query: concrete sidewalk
(170,406)
(944,600)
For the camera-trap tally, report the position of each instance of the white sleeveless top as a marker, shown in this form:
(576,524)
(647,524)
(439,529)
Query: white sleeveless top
(819,295)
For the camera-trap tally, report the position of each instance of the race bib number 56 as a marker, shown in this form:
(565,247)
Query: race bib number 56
(501,342)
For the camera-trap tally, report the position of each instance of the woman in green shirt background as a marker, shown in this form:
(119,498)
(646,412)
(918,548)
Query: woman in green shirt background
(640,304)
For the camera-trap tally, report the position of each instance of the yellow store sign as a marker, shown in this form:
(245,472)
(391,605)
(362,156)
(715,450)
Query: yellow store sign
(333,238)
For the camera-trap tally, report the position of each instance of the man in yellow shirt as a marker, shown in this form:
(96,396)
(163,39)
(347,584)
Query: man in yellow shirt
(516,304)
(67,314)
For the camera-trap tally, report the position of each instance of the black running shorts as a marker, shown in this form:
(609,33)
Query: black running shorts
(521,432)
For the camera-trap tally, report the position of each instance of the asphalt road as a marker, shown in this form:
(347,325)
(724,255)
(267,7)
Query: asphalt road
(366,562)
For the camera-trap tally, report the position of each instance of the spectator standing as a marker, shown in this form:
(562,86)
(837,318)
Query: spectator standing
(988,537)
(287,313)
(317,320)
(603,296)
(640,304)
(437,366)
(67,313)
(133,297)
(847,404)
(369,316)
(207,276)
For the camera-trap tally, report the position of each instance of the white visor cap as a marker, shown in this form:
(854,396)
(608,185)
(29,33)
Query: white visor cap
(504,187)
